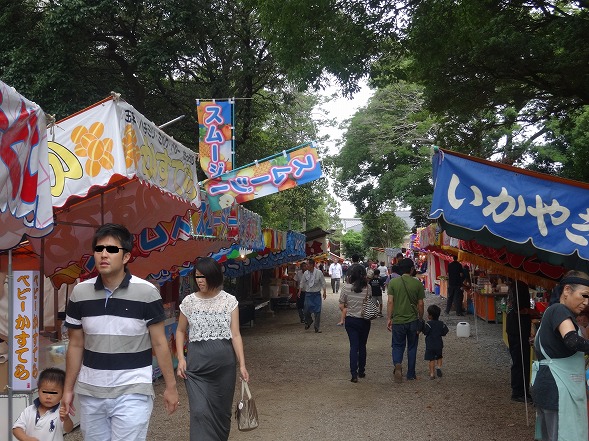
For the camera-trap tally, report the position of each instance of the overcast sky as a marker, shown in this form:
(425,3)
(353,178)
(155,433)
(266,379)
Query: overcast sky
(342,109)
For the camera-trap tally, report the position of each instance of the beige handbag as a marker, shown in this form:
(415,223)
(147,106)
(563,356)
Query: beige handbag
(246,413)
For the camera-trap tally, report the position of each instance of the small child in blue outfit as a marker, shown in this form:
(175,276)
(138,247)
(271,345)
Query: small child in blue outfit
(377,287)
(434,329)
(45,420)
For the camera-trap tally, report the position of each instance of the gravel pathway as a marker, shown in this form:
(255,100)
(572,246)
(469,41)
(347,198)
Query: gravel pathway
(302,387)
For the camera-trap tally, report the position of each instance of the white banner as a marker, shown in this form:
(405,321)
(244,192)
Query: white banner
(25,331)
(25,201)
(110,140)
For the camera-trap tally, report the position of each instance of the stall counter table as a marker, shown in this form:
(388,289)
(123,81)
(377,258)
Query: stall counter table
(486,305)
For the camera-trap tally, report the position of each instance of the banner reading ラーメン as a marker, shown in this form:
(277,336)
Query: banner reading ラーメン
(215,134)
(277,173)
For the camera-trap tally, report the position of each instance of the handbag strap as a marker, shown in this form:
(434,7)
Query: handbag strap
(245,387)
(367,296)
(412,299)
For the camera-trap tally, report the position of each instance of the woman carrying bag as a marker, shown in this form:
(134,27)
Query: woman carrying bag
(214,348)
(352,298)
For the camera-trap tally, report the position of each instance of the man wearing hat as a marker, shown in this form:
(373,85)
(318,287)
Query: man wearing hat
(405,312)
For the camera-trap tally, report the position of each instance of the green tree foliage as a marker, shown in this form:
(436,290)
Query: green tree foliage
(476,55)
(383,230)
(384,162)
(312,38)
(353,243)
(161,56)
(497,74)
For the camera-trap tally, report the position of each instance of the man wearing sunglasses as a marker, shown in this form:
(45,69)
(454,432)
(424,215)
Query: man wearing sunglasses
(114,320)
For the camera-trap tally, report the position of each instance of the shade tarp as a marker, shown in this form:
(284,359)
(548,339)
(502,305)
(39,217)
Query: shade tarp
(25,196)
(108,163)
(528,213)
(236,267)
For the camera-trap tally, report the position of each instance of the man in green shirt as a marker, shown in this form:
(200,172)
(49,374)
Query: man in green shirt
(405,311)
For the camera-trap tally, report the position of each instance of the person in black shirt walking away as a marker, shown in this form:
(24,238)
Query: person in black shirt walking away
(377,286)
(455,280)
(434,329)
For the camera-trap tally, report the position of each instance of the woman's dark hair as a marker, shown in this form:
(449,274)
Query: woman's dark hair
(116,231)
(212,271)
(357,277)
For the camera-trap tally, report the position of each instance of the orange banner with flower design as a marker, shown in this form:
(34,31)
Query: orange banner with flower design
(89,149)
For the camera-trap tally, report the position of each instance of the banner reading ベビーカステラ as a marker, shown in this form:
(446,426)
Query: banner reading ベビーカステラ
(215,134)
(280,172)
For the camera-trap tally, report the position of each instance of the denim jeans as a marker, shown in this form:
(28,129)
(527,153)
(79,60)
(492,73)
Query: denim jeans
(405,335)
(358,330)
(115,419)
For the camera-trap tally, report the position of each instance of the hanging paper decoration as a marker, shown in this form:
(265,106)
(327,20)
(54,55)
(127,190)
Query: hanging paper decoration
(25,195)
(215,133)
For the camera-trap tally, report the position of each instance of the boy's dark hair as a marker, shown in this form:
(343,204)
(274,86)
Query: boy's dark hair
(355,258)
(434,311)
(117,231)
(212,271)
(52,375)
(376,272)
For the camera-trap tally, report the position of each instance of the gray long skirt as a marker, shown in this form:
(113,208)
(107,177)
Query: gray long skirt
(210,384)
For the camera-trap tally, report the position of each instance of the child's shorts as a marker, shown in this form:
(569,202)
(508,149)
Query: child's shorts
(433,354)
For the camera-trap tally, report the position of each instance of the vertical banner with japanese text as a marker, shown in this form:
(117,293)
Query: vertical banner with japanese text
(25,327)
(289,169)
(215,134)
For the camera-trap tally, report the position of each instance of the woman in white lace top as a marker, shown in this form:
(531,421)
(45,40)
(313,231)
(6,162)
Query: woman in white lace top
(211,319)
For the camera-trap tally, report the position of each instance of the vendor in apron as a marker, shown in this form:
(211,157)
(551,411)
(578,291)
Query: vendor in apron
(558,377)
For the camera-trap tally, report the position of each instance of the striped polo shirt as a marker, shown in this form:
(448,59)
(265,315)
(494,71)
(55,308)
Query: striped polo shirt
(117,356)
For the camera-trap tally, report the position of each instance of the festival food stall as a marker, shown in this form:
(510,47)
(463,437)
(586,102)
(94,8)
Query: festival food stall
(110,164)
(532,218)
(25,211)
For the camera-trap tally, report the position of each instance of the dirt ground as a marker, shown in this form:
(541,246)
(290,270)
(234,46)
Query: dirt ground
(301,383)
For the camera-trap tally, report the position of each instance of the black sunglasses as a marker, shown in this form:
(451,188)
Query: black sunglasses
(111,249)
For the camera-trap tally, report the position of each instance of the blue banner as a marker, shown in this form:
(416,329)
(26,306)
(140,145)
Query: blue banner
(514,204)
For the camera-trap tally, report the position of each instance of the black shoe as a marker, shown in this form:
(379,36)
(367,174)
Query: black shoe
(460,314)
(362,375)
(518,398)
(439,372)
(354,379)
(308,325)
(317,331)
